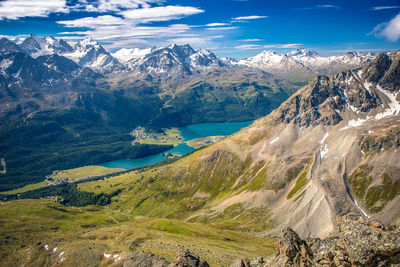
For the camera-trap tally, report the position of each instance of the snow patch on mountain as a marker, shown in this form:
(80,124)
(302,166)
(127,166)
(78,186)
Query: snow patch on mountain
(394,105)
(127,54)
(4,64)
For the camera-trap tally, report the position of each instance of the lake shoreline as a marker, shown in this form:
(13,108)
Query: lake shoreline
(188,133)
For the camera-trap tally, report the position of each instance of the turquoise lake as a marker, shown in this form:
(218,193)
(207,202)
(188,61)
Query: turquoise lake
(189,132)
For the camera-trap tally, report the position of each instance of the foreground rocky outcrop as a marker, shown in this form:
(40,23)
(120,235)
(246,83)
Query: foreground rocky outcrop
(184,258)
(359,242)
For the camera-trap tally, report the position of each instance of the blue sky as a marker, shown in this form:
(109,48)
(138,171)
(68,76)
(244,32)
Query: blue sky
(236,28)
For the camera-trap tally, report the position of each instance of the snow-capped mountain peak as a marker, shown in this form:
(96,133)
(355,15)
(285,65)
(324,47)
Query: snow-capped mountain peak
(182,51)
(175,60)
(89,53)
(302,52)
(36,46)
(87,43)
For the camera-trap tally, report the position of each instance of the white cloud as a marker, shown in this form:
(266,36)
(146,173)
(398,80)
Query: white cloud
(282,46)
(376,8)
(125,29)
(114,5)
(389,30)
(15,9)
(217,24)
(222,28)
(115,32)
(319,7)
(258,46)
(129,31)
(248,46)
(13,37)
(161,13)
(246,18)
(250,40)
(193,41)
(93,22)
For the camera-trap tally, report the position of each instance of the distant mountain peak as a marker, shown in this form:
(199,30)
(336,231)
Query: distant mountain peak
(88,42)
(8,46)
(268,52)
(89,53)
(36,46)
(302,52)
(182,50)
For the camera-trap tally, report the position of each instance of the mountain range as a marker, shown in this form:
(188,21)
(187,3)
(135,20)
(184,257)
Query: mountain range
(300,63)
(51,90)
(55,99)
(321,159)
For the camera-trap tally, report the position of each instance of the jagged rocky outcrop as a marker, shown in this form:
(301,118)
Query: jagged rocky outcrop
(359,242)
(184,258)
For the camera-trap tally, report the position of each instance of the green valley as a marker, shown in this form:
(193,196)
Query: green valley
(43,232)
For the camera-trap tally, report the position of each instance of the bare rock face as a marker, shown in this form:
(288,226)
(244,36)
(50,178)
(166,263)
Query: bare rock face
(186,259)
(377,69)
(359,242)
(292,250)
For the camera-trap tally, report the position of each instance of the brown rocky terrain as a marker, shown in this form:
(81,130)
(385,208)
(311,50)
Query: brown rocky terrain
(358,242)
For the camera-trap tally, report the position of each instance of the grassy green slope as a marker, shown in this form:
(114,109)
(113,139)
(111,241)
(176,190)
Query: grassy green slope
(41,232)
(191,189)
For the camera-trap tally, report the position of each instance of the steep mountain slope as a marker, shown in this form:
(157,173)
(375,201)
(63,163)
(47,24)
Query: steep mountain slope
(89,53)
(301,64)
(330,149)
(48,82)
(226,94)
